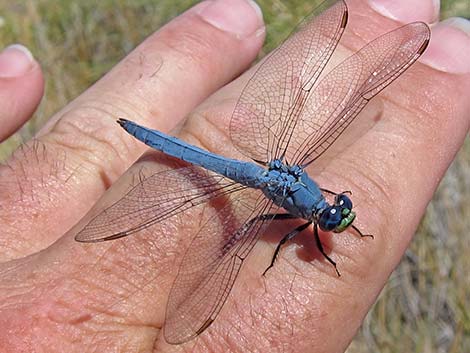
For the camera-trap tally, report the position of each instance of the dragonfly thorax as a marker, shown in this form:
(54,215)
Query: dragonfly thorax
(291,188)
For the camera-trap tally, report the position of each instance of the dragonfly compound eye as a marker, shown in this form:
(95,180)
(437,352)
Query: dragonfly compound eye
(330,218)
(344,201)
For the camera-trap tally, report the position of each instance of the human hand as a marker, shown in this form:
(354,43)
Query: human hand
(113,294)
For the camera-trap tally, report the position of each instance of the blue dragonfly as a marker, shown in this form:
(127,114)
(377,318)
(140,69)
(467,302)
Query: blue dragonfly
(287,116)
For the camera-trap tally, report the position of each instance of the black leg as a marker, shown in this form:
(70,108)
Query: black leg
(360,233)
(272,216)
(320,247)
(336,193)
(286,238)
(329,191)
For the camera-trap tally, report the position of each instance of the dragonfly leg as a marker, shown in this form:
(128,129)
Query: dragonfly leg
(272,216)
(287,237)
(320,247)
(328,191)
(276,216)
(360,233)
(336,193)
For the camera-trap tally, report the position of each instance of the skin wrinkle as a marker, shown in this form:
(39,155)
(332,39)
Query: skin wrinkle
(412,132)
(391,103)
(123,293)
(74,149)
(135,285)
(87,155)
(435,99)
(114,105)
(430,98)
(285,331)
(237,342)
(71,123)
(191,49)
(14,266)
(296,306)
(284,260)
(234,325)
(199,138)
(301,267)
(358,185)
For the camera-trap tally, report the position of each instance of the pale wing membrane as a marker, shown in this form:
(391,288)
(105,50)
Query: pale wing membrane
(265,114)
(154,199)
(212,262)
(343,93)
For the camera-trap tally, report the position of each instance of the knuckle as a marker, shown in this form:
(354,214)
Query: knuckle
(88,133)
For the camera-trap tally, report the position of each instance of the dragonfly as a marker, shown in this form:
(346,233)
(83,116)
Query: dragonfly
(287,116)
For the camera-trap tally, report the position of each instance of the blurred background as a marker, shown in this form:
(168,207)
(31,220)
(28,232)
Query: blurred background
(425,306)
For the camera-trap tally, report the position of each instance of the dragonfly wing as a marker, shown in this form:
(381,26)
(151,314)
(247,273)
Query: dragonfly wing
(211,264)
(263,116)
(154,199)
(342,93)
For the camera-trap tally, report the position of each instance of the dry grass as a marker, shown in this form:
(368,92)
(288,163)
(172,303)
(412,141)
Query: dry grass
(425,307)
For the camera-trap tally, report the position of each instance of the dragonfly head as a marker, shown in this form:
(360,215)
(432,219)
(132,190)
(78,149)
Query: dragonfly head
(338,216)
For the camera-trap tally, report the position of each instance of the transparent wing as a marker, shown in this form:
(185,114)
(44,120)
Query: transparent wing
(339,97)
(155,199)
(265,113)
(212,262)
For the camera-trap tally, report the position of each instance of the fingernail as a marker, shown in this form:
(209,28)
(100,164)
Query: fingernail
(407,11)
(240,17)
(449,49)
(460,23)
(15,60)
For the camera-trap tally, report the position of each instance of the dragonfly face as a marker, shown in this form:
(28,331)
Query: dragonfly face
(338,216)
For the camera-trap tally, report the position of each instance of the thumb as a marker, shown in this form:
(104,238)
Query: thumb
(21,88)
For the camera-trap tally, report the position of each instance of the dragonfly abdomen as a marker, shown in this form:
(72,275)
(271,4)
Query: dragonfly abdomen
(245,173)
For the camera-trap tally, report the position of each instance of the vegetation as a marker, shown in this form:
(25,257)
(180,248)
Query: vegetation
(425,306)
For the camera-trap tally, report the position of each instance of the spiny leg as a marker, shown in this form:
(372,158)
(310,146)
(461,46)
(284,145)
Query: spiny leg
(360,233)
(286,238)
(272,216)
(335,193)
(320,247)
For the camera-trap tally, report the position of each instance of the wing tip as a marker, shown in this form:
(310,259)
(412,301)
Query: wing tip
(423,46)
(176,339)
(83,239)
(79,239)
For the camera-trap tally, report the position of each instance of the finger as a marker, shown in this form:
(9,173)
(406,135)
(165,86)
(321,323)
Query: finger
(81,150)
(21,88)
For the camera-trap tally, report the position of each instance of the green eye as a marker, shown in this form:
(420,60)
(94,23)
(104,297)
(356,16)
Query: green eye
(345,222)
